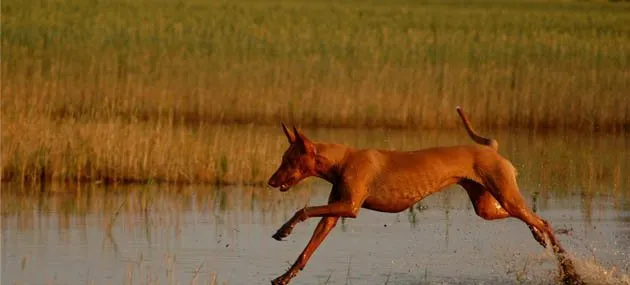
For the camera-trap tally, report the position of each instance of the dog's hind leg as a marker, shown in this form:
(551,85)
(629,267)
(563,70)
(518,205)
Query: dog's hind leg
(505,190)
(503,186)
(486,206)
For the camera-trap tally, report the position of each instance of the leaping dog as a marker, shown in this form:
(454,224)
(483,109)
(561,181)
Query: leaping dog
(392,181)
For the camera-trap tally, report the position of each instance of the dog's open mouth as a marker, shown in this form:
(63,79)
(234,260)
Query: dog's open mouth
(284,187)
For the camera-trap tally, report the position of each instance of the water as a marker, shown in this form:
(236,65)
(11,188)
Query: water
(200,234)
(62,239)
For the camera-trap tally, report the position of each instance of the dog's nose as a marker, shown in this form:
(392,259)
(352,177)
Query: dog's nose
(272,183)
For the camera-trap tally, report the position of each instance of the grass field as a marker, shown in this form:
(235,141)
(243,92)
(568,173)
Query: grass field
(401,64)
(137,153)
(138,90)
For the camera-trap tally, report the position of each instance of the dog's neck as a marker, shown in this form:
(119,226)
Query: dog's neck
(329,161)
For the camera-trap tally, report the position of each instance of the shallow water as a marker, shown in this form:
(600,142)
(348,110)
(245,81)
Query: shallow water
(200,234)
(184,231)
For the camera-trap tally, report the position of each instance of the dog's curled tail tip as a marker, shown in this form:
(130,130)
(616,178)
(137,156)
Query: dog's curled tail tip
(494,144)
(477,138)
(459,110)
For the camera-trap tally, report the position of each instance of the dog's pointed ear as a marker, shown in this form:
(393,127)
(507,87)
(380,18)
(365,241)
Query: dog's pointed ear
(306,144)
(289,134)
(298,135)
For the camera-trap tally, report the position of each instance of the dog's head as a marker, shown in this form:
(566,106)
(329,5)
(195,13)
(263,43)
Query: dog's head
(298,161)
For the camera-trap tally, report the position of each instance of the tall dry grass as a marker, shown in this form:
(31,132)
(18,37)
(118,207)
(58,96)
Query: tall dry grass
(143,91)
(248,154)
(400,64)
(137,153)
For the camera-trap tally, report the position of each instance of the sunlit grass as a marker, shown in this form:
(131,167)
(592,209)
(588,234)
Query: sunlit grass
(138,153)
(404,64)
(149,91)
(119,153)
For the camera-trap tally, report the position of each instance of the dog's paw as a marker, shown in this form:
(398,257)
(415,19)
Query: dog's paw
(284,279)
(277,281)
(277,237)
(282,233)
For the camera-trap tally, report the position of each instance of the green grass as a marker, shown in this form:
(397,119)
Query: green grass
(533,64)
(147,91)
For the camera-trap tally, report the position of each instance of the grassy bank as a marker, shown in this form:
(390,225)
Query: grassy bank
(140,153)
(137,153)
(403,64)
(149,91)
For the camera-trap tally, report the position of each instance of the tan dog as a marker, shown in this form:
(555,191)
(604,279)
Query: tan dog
(392,181)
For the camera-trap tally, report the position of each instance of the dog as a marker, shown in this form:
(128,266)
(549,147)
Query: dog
(392,181)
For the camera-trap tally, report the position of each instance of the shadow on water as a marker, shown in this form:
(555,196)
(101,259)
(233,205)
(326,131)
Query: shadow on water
(161,234)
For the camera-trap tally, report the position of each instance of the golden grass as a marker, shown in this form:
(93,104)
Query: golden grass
(248,154)
(514,63)
(127,153)
(148,91)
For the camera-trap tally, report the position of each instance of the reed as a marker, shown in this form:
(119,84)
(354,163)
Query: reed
(180,91)
(137,153)
(118,153)
(533,64)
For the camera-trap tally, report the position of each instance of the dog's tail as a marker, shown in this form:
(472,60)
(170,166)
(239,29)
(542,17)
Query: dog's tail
(477,138)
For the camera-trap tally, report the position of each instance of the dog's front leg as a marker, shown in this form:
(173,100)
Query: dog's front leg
(337,209)
(321,231)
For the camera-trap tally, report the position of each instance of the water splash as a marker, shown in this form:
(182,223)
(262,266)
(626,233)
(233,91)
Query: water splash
(542,269)
(593,272)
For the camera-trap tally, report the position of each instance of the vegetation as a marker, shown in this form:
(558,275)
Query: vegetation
(401,64)
(248,154)
(146,91)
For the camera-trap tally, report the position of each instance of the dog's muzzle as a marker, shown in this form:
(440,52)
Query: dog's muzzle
(275,184)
